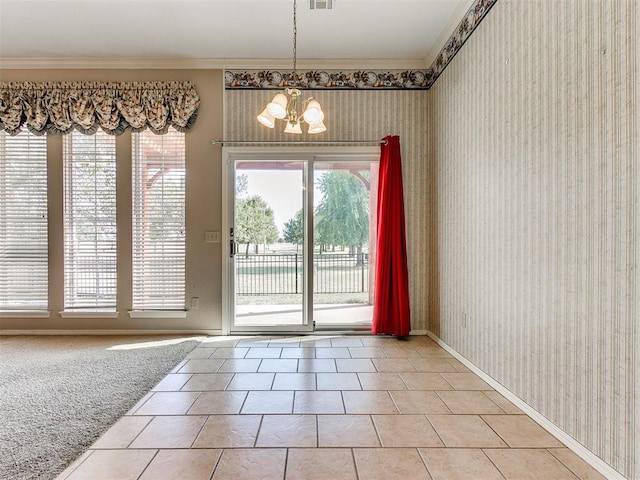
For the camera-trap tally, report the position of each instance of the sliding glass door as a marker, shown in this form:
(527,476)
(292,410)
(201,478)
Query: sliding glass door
(300,235)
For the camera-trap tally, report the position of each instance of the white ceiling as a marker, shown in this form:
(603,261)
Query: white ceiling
(229,32)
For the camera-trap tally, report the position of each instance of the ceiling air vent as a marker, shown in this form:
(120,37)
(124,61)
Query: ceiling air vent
(321,4)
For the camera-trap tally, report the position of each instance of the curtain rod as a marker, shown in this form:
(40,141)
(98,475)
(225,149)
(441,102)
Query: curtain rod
(284,142)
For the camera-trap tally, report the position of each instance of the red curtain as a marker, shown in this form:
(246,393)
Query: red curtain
(391,300)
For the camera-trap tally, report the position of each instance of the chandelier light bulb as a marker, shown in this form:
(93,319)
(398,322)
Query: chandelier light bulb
(293,128)
(313,113)
(266,119)
(278,106)
(317,127)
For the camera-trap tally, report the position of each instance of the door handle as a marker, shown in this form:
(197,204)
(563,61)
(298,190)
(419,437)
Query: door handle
(232,248)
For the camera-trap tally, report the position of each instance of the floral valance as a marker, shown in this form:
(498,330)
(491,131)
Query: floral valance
(60,107)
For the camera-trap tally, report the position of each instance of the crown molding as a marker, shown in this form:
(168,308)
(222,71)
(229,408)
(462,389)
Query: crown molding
(459,13)
(207,63)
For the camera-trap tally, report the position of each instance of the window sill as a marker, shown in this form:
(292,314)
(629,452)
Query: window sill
(25,314)
(87,314)
(158,314)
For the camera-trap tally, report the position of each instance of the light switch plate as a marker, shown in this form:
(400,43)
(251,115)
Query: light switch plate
(212,237)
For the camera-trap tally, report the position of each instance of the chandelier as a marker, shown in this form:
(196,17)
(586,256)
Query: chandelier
(284,106)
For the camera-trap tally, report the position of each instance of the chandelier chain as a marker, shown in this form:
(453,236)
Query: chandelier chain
(295,35)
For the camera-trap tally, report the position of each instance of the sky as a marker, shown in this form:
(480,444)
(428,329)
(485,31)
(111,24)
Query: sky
(281,189)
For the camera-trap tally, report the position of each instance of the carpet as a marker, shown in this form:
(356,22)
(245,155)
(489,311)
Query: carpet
(58,394)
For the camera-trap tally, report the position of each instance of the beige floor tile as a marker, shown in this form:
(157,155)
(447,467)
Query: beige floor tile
(320,464)
(318,402)
(316,364)
(173,464)
(528,464)
(140,402)
(387,463)
(177,368)
(401,352)
(245,365)
(425,381)
(377,341)
(367,352)
(200,352)
(264,402)
(122,433)
(201,365)
(330,352)
(260,341)
(346,431)
(75,464)
(113,464)
(381,381)
(251,381)
(346,342)
(294,381)
(229,431)
(355,365)
(288,431)
(263,352)
(338,381)
(168,403)
(229,352)
(201,382)
(293,342)
(418,402)
(503,403)
(520,431)
(458,365)
(406,431)
(279,365)
(172,382)
(578,466)
(251,464)
(459,464)
(298,353)
(218,403)
(170,432)
(432,365)
(466,381)
(465,431)
(395,365)
(311,341)
(434,351)
(220,342)
(469,402)
(368,402)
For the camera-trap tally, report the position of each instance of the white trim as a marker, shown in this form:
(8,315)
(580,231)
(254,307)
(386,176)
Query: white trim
(211,63)
(418,332)
(157,314)
(25,314)
(87,314)
(587,455)
(211,333)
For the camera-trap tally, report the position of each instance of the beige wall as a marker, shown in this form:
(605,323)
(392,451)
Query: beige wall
(203,209)
(536,166)
(363,115)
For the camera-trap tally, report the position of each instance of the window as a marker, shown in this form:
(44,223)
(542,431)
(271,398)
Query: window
(89,222)
(158,185)
(23,222)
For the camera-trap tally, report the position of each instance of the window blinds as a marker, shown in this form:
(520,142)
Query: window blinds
(89,222)
(158,184)
(23,222)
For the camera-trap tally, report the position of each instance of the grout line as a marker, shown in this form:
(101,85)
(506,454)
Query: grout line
(147,465)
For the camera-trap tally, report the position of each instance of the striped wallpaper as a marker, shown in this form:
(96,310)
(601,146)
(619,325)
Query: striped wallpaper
(535,222)
(363,115)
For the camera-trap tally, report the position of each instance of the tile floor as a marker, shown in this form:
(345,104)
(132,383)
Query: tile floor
(339,408)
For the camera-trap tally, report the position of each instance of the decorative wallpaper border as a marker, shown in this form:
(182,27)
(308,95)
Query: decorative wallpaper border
(361,79)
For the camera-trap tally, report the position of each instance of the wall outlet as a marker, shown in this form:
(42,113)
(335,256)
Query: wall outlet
(464,320)
(212,237)
(195,303)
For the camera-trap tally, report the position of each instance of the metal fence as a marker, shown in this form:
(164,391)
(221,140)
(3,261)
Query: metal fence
(282,274)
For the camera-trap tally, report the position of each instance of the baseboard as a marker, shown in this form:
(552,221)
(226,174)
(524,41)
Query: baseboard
(418,332)
(587,455)
(110,332)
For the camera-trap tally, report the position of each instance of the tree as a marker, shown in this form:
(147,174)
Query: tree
(294,229)
(343,213)
(254,222)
